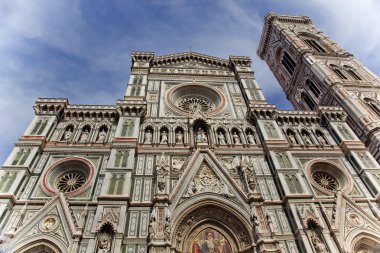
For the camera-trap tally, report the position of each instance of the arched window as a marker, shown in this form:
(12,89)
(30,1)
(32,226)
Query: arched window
(352,73)
(288,63)
(309,102)
(293,184)
(315,45)
(338,71)
(373,105)
(313,88)
(137,80)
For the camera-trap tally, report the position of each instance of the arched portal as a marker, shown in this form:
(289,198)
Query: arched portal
(39,247)
(208,221)
(366,243)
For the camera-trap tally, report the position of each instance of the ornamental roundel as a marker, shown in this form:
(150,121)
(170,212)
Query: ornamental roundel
(71,176)
(329,177)
(193,97)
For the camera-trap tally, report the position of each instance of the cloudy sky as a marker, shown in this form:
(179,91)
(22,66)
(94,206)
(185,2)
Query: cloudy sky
(81,49)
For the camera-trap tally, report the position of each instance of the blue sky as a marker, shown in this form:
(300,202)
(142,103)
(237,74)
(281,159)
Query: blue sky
(81,49)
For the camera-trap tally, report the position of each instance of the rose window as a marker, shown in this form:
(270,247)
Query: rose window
(325,180)
(70,181)
(194,104)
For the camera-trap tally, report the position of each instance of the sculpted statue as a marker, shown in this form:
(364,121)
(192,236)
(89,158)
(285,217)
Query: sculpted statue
(164,137)
(148,137)
(236,162)
(67,134)
(102,136)
(292,138)
(307,139)
(319,246)
(221,138)
(236,138)
(84,135)
(321,139)
(179,137)
(104,243)
(201,136)
(251,138)
(162,169)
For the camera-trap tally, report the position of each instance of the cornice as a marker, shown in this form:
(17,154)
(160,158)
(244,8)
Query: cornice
(131,107)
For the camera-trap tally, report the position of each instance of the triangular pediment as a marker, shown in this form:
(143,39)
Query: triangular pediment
(354,219)
(53,222)
(204,174)
(191,60)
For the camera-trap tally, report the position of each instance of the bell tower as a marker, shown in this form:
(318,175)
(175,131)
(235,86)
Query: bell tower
(315,71)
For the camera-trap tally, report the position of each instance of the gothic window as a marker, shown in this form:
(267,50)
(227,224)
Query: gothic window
(309,102)
(373,105)
(116,184)
(21,157)
(7,180)
(121,159)
(135,91)
(338,71)
(293,184)
(352,73)
(344,132)
(283,160)
(138,80)
(315,45)
(313,88)
(127,129)
(39,127)
(288,63)
(270,130)
(367,162)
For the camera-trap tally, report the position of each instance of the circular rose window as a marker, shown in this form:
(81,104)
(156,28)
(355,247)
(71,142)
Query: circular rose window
(70,175)
(325,180)
(193,97)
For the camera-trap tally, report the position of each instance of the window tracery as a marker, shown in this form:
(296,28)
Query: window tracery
(325,180)
(70,181)
(194,104)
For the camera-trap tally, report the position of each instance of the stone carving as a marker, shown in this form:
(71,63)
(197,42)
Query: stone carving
(152,225)
(49,223)
(292,138)
(236,138)
(251,138)
(322,140)
(201,136)
(354,219)
(84,135)
(306,138)
(67,134)
(177,163)
(207,181)
(344,131)
(162,169)
(235,162)
(104,243)
(270,130)
(247,170)
(102,136)
(319,246)
(148,137)
(164,137)
(221,138)
(179,137)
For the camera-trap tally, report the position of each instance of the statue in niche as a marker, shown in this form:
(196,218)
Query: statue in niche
(179,137)
(164,137)
(307,138)
(102,136)
(236,138)
(221,138)
(321,138)
(67,134)
(148,137)
(167,229)
(201,136)
(104,243)
(251,138)
(152,226)
(319,246)
(246,168)
(292,138)
(162,169)
(84,135)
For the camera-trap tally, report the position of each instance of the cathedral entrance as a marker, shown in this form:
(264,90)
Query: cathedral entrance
(210,240)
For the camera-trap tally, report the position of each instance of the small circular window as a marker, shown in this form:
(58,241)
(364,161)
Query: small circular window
(70,181)
(326,181)
(71,176)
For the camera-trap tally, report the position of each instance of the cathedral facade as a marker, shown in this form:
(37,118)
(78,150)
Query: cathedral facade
(192,160)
